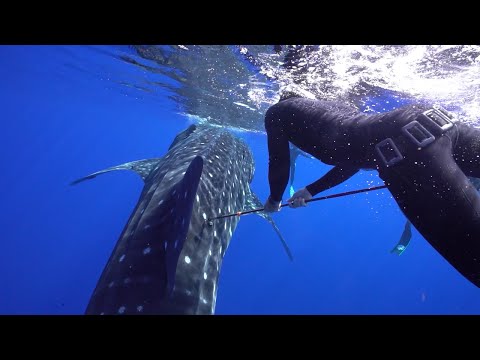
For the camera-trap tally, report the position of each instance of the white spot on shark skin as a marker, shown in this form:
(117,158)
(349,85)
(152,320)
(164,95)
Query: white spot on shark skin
(160,202)
(121,309)
(205,275)
(214,234)
(121,258)
(146,227)
(111,284)
(204,216)
(210,174)
(210,252)
(210,161)
(204,301)
(230,231)
(228,171)
(187,260)
(147,250)
(217,156)
(198,198)
(219,210)
(140,308)
(225,225)
(141,212)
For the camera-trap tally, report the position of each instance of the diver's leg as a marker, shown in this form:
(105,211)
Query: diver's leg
(440,201)
(466,149)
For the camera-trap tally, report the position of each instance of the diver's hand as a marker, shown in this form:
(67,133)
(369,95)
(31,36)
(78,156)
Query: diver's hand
(271,206)
(299,198)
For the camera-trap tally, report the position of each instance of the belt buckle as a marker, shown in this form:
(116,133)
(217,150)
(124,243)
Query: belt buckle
(417,133)
(385,149)
(439,117)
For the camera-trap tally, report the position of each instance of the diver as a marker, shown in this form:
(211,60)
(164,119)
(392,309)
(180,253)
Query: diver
(422,152)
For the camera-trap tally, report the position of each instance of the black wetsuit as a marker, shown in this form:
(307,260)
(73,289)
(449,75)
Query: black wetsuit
(429,183)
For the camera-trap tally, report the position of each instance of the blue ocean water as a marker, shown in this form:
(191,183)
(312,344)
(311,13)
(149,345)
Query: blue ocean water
(65,114)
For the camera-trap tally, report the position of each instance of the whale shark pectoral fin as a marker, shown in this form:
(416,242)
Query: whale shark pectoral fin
(291,190)
(475,182)
(404,239)
(176,212)
(253,202)
(141,167)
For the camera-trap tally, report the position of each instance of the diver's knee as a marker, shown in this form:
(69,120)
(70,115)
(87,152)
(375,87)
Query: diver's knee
(272,116)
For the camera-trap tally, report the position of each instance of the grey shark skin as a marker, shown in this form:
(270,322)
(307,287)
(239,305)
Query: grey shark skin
(168,257)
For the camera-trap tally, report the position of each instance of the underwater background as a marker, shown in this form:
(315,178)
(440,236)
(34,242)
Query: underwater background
(67,111)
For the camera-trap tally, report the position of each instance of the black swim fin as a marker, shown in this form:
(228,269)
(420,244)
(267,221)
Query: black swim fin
(404,240)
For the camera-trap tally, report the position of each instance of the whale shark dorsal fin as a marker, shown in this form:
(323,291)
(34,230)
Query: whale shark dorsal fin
(253,202)
(141,167)
(175,214)
(183,135)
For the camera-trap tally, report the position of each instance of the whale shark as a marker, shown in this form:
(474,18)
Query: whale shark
(169,254)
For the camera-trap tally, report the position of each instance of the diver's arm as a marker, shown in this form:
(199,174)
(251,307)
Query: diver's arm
(334,177)
(278,160)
